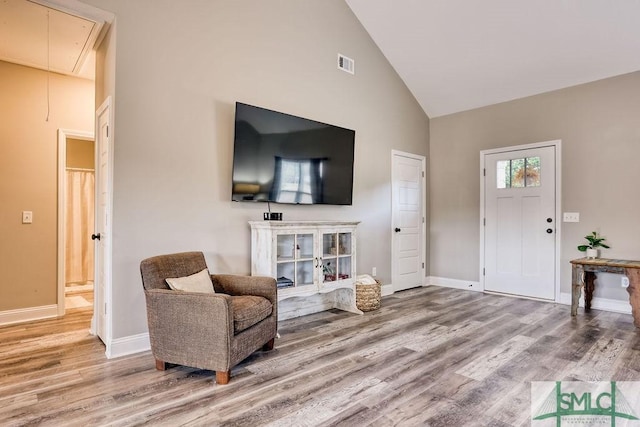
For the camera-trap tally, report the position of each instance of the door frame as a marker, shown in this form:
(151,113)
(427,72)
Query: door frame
(557,145)
(63,134)
(423,183)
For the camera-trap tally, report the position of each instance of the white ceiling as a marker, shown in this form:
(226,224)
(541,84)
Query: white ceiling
(35,35)
(456,55)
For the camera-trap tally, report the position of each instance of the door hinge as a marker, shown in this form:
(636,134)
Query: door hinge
(105,308)
(484,172)
(483,271)
(484,221)
(107,131)
(423,265)
(423,174)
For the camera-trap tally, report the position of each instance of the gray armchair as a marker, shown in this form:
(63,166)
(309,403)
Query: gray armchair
(207,331)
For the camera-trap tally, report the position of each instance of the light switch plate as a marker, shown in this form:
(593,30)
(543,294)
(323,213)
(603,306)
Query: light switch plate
(571,217)
(27,217)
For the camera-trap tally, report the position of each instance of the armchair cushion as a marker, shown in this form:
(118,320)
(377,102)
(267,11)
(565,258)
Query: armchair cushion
(248,310)
(199,282)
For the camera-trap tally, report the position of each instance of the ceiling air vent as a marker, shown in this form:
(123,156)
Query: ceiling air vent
(346,64)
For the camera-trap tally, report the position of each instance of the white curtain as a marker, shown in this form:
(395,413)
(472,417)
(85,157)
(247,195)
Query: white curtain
(79,227)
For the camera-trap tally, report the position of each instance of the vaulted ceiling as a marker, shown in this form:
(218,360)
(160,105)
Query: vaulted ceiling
(456,55)
(453,55)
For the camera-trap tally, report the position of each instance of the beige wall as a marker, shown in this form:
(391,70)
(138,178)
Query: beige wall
(180,67)
(80,154)
(599,125)
(28,177)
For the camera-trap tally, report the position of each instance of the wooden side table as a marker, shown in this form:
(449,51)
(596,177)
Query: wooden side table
(584,274)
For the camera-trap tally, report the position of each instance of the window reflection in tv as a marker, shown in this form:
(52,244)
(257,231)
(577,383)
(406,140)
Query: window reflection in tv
(282,158)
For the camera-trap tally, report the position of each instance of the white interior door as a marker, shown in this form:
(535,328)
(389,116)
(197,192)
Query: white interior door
(520,222)
(408,212)
(102,234)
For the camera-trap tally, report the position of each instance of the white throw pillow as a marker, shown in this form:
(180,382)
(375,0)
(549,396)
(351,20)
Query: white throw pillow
(199,282)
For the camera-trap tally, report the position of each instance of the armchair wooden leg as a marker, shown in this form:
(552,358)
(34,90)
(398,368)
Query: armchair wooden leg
(160,365)
(269,345)
(222,377)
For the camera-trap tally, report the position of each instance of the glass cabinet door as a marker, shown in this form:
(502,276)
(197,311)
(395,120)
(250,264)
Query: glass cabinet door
(336,256)
(295,260)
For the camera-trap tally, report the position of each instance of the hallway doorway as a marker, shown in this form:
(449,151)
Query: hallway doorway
(76,213)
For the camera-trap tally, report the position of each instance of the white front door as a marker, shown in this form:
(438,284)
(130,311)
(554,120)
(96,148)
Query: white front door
(408,211)
(102,234)
(520,222)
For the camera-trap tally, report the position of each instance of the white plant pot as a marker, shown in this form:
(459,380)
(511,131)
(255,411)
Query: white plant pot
(592,253)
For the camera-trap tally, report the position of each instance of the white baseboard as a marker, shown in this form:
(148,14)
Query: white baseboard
(386,290)
(28,314)
(128,345)
(454,283)
(606,304)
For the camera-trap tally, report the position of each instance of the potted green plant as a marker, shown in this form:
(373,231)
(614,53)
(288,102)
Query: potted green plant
(595,242)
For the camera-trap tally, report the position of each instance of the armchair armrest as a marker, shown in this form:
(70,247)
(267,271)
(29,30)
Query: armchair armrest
(248,285)
(179,320)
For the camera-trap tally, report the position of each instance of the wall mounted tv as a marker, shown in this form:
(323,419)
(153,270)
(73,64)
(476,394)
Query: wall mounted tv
(282,158)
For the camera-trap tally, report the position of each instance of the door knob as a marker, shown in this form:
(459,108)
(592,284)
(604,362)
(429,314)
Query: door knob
(549,220)
(95,236)
(397,230)
(549,230)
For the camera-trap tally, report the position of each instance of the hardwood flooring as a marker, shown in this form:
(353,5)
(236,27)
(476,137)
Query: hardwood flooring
(429,357)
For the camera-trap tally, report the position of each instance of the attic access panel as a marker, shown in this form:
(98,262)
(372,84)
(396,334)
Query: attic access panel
(41,37)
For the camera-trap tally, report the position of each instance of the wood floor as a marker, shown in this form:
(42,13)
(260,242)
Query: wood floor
(429,357)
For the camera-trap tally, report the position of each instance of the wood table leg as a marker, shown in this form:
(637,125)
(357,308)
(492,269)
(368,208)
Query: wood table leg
(589,286)
(576,284)
(634,293)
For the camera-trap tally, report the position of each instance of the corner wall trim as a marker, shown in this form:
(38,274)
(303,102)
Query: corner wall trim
(28,314)
(467,285)
(605,304)
(128,345)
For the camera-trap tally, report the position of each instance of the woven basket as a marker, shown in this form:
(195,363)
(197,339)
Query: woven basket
(368,296)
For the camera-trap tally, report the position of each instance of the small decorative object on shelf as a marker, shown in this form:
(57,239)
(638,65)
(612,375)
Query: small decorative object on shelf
(595,242)
(284,282)
(329,273)
(332,249)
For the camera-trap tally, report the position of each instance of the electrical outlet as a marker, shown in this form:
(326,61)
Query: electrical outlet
(624,281)
(373,271)
(27,217)
(571,217)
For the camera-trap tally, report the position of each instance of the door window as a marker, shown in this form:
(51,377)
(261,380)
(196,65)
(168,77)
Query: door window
(518,173)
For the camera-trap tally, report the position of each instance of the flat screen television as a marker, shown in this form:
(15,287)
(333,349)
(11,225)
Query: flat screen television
(282,158)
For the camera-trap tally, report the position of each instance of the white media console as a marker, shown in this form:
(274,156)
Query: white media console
(307,258)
